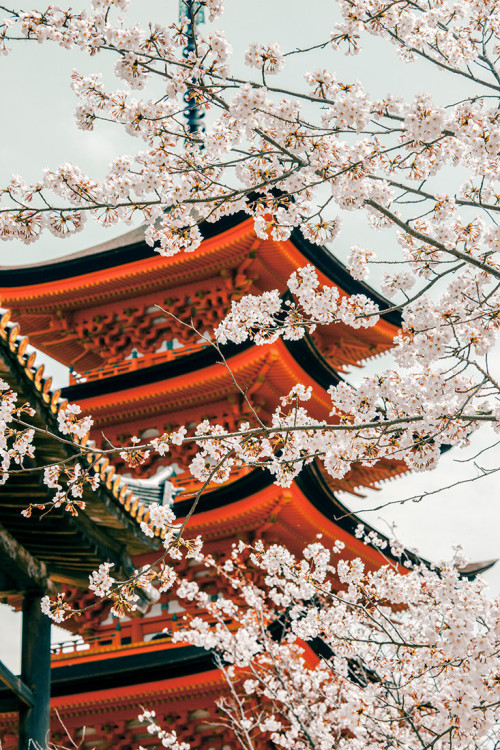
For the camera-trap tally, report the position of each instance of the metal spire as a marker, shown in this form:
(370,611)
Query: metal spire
(193,10)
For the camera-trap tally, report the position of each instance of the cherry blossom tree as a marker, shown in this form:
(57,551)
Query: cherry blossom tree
(383,659)
(300,158)
(387,660)
(318,653)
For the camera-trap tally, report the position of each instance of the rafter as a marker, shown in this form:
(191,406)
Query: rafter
(26,570)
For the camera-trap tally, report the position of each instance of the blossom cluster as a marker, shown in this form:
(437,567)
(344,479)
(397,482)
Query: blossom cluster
(267,317)
(167,739)
(70,494)
(57,609)
(70,423)
(335,654)
(16,440)
(100,580)
(261,137)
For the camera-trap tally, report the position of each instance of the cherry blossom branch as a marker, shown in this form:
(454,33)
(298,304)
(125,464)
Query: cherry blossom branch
(431,241)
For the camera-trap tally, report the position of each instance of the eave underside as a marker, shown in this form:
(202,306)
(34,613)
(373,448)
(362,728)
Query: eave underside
(69,547)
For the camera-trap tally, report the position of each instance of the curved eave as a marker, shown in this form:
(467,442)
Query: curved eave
(297,514)
(172,670)
(199,377)
(127,248)
(98,275)
(107,507)
(159,664)
(93,278)
(474,569)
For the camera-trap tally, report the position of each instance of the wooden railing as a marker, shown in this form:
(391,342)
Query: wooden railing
(135,363)
(100,644)
(190,486)
(74,646)
(118,640)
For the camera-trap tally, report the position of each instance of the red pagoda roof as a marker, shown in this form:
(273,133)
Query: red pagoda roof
(99,304)
(196,387)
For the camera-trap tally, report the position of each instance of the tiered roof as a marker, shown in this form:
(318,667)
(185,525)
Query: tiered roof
(91,311)
(97,308)
(94,307)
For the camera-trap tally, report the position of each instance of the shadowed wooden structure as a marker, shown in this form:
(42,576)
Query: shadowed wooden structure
(37,557)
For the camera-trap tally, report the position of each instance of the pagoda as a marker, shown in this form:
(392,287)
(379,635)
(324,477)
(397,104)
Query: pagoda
(140,372)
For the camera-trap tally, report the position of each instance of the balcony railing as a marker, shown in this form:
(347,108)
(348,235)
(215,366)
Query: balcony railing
(135,363)
(186,485)
(150,635)
(101,644)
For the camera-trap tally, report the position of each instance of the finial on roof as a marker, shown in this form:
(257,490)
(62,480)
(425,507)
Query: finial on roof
(194,12)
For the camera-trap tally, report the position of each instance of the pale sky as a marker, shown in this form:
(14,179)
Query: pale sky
(37,130)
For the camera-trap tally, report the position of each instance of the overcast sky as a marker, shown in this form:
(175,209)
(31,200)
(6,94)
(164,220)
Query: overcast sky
(37,130)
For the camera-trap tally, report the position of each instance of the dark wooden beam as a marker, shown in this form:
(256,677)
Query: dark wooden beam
(109,550)
(45,418)
(70,578)
(16,685)
(103,544)
(22,566)
(34,720)
(8,585)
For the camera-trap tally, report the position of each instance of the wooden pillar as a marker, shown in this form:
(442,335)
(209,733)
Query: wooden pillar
(35,673)
(137,631)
